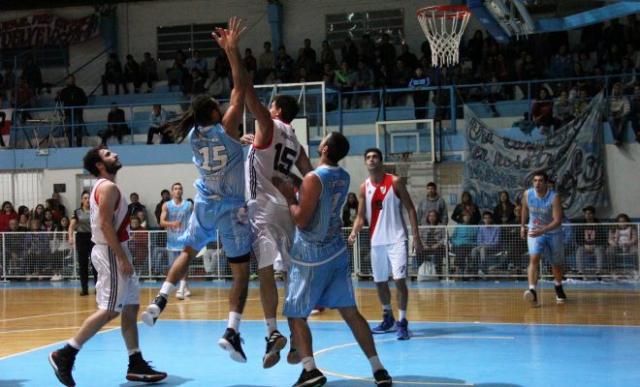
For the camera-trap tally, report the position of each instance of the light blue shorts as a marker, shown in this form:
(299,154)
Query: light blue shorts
(550,245)
(227,217)
(328,285)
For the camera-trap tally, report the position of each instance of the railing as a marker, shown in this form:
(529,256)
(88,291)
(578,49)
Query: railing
(445,104)
(452,253)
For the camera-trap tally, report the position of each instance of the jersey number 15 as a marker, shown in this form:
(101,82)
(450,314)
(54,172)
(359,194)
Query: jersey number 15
(284,159)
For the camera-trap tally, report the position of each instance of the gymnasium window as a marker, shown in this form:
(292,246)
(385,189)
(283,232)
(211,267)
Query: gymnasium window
(356,24)
(187,38)
(22,188)
(52,56)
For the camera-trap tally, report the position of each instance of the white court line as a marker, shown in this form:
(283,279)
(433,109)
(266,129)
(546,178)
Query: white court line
(48,345)
(395,382)
(413,383)
(93,310)
(36,330)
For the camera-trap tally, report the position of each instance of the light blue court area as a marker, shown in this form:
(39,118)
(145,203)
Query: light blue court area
(439,354)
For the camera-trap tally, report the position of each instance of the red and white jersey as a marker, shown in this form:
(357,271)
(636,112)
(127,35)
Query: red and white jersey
(275,159)
(120,217)
(384,212)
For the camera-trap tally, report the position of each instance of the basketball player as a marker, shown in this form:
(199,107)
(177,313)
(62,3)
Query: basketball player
(117,291)
(541,205)
(319,272)
(382,196)
(175,217)
(273,153)
(219,202)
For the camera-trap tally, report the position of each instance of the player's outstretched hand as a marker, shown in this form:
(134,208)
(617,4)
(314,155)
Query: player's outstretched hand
(286,188)
(247,139)
(418,247)
(229,37)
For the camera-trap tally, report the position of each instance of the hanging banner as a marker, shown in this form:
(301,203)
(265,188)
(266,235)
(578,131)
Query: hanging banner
(573,157)
(47,30)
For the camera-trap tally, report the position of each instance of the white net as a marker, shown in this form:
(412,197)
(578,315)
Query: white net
(444,27)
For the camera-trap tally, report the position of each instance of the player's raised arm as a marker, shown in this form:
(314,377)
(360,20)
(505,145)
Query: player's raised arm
(359,221)
(228,39)
(303,163)
(310,191)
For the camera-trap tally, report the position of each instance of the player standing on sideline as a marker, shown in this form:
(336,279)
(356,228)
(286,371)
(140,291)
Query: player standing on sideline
(319,272)
(175,217)
(274,151)
(541,205)
(117,291)
(219,203)
(382,196)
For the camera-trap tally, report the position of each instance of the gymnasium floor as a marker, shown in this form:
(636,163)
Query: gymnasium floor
(464,334)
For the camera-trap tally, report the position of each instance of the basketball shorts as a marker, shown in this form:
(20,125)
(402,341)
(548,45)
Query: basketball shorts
(273,231)
(226,218)
(327,284)
(113,290)
(389,259)
(550,245)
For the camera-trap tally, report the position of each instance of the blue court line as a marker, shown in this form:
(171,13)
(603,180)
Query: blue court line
(439,354)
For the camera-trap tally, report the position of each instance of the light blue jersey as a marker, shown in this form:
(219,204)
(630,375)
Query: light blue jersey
(219,210)
(541,214)
(319,272)
(323,235)
(180,213)
(541,209)
(220,162)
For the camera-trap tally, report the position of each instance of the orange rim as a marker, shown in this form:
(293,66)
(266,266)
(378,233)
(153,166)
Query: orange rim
(447,11)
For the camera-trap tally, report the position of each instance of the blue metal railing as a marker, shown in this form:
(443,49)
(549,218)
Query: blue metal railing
(447,102)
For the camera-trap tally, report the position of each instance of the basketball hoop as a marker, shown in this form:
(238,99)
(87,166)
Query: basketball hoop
(443,25)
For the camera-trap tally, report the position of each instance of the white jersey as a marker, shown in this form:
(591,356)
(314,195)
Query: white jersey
(384,212)
(120,217)
(273,160)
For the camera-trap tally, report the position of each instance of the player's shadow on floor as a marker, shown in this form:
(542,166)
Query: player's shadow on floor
(12,383)
(433,381)
(171,380)
(442,331)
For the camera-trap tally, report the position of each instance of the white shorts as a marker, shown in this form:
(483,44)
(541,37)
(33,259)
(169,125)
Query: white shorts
(387,259)
(113,291)
(273,232)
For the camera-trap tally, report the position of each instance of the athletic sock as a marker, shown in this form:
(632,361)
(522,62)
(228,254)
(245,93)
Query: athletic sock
(386,308)
(376,365)
(74,344)
(403,314)
(532,287)
(183,284)
(133,351)
(272,325)
(558,283)
(167,289)
(308,363)
(234,321)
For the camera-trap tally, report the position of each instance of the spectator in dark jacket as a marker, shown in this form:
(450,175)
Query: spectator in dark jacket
(73,96)
(470,207)
(116,125)
(113,74)
(503,213)
(591,241)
